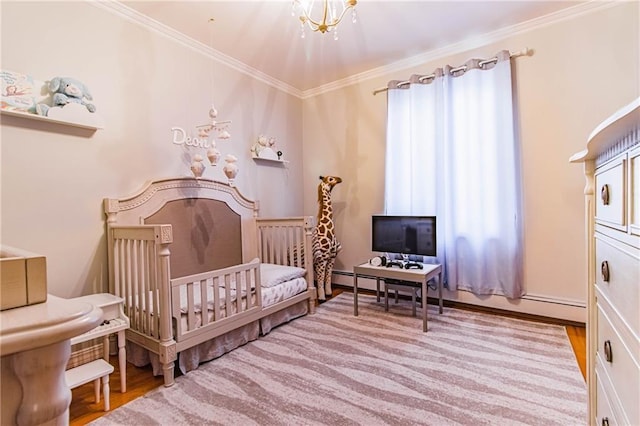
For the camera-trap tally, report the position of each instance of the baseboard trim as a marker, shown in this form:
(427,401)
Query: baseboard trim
(471,307)
(534,307)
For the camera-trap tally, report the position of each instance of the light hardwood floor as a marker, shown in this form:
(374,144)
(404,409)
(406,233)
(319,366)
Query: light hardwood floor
(83,409)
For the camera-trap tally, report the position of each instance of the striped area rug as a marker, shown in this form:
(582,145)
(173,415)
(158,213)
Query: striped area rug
(379,368)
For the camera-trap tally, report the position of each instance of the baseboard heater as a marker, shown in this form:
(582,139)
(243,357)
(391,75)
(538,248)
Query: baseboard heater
(489,309)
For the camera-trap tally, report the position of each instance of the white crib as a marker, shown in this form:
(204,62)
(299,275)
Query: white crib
(193,262)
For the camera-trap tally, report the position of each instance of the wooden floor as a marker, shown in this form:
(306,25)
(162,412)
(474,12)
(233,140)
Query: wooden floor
(83,409)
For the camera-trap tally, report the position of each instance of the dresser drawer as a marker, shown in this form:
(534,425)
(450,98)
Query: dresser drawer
(619,365)
(618,277)
(605,414)
(610,187)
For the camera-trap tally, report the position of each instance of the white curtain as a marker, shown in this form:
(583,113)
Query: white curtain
(452,152)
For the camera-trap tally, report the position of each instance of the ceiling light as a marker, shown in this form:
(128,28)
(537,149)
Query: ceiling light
(328,14)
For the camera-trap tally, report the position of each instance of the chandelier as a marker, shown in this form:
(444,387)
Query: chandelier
(328,16)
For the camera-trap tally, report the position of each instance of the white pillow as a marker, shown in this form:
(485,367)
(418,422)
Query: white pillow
(271,275)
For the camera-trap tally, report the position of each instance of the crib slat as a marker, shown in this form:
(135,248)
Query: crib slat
(175,308)
(117,270)
(154,291)
(227,294)
(191,315)
(144,295)
(216,299)
(274,244)
(254,284)
(250,287)
(299,242)
(278,243)
(127,283)
(139,282)
(288,244)
(129,259)
(122,276)
(238,289)
(269,246)
(204,303)
(142,283)
(246,278)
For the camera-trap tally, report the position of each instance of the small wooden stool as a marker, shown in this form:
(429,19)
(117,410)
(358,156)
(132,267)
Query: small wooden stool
(403,286)
(92,371)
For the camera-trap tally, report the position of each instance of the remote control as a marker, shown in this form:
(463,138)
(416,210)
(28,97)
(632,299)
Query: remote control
(410,265)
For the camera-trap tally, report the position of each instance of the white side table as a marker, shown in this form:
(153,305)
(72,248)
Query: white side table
(35,347)
(421,276)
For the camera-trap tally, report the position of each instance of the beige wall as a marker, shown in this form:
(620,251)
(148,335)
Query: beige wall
(144,83)
(583,69)
(55,177)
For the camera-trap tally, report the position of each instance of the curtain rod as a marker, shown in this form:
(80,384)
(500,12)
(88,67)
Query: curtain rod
(524,52)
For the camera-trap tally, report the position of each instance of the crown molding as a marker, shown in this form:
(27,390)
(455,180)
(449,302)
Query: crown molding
(463,46)
(136,17)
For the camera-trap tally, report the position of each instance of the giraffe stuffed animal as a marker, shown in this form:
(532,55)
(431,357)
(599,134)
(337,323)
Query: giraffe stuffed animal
(325,244)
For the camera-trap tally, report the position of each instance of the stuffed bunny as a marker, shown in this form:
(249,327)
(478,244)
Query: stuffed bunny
(64,91)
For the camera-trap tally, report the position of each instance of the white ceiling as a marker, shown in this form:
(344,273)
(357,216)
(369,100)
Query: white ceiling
(265,36)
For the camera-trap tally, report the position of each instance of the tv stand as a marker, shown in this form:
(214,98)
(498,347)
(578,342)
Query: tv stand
(418,276)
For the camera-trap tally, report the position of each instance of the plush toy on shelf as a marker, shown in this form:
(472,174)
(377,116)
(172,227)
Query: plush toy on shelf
(66,90)
(263,148)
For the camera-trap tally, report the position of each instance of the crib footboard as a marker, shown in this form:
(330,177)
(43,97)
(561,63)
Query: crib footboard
(210,304)
(139,259)
(287,241)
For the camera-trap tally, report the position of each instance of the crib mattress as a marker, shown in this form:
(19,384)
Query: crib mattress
(270,296)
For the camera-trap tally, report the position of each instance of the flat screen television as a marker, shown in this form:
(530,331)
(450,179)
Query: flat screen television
(404,234)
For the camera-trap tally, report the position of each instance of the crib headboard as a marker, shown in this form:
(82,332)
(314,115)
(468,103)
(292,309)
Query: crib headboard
(212,224)
(206,235)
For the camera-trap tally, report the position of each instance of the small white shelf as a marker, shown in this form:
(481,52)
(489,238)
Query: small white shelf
(269,160)
(94,123)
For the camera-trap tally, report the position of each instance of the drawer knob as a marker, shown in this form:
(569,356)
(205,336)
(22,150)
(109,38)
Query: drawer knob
(604,268)
(605,421)
(604,193)
(608,354)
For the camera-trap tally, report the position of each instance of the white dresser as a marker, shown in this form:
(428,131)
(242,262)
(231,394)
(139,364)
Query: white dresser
(612,170)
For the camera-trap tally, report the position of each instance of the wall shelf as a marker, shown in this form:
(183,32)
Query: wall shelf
(86,120)
(269,160)
(27,93)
